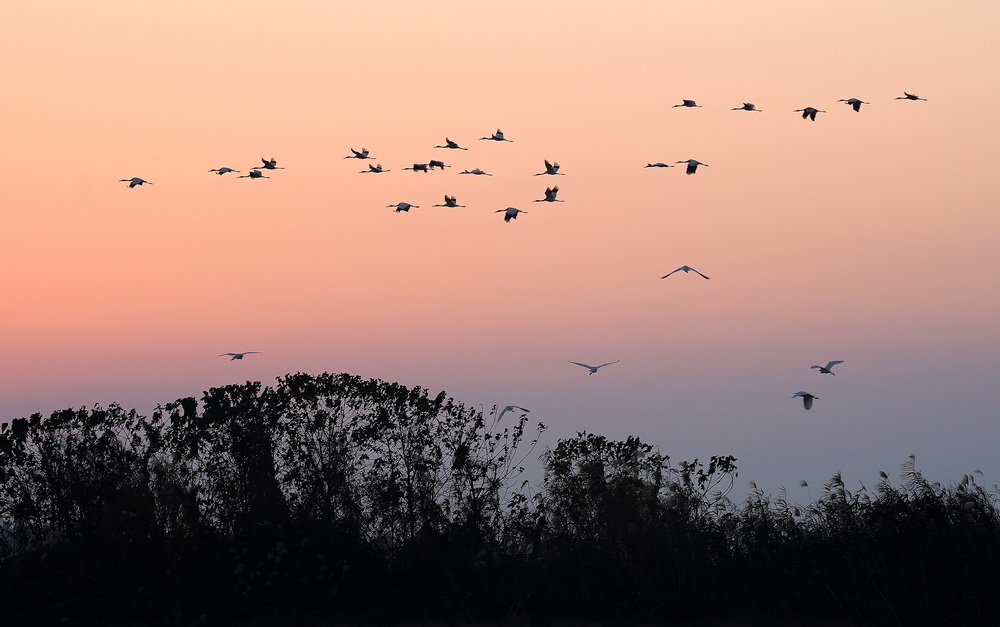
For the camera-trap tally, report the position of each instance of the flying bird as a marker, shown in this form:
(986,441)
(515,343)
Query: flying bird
(434,163)
(253,174)
(550,168)
(376,169)
(418,167)
(692,165)
(512,408)
(221,171)
(449,201)
(271,164)
(908,96)
(809,112)
(828,369)
(807,399)
(359,154)
(477,172)
(594,369)
(497,137)
(686,103)
(510,213)
(233,356)
(660,164)
(135,180)
(450,144)
(550,195)
(747,106)
(855,103)
(403,206)
(685,270)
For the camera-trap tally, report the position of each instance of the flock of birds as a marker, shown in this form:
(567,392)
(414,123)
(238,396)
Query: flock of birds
(511,213)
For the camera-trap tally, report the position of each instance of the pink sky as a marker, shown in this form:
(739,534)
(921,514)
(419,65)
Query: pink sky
(870,237)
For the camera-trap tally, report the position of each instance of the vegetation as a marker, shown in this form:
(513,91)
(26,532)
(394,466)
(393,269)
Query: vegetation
(339,498)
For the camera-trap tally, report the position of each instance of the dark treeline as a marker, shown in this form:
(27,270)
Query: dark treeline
(334,497)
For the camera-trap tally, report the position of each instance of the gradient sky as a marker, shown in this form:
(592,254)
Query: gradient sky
(870,237)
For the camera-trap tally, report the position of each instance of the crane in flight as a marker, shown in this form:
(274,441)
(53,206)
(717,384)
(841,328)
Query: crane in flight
(686,103)
(854,103)
(685,270)
(253,174)
(550,195)
(221,171)
(403,206)
(497,137)
(809,112)
(510,213)
(550,168)
(747,106)
(271,164)
(374,169)
(135,180)
(449,201)
(450,144)
(594,369)
(909,96)
(828,368)
(477,172)
(692,165)
(660,164)
(418,167)
(359,154)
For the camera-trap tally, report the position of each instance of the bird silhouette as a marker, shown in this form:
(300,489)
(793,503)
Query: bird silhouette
(510,213)
(685,270)
(550,195)
(908,96)
(374,169)
(594,369)
(449,201)
(403,206)
(809,112)
(660,164)
(511,408)
(854,103)
(450,144)
(686,103)
(135,180)
(477,172)
(497,137)
(359,154)
(221,171)
(807,399)
(233,356)
(692,165)
(253,174)
(269,164)
(828,368)
(550,168)
(418,167)
(747,106)
(435,163)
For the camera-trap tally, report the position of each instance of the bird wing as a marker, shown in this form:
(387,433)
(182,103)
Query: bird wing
(698,273)
(834,363)
(587,366)
(669,273)
(807,401)
(608,364)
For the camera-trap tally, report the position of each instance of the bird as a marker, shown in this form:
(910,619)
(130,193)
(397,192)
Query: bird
(594,369)
(659,164)
(511,408)
(807,399)
(510,213)
(233,356)
(855,103)
(550,168)
(221,171)
(253,174)
(135,180)
(497,137)
(685,270)
(909,96)
(434,163)
(809,112)
(418,167)
(692,165)
(477,172)
(403,206)
(362,154)
(449,201)
(271,164)
(747,106)
(828,369)
(376,169)
(550,195)
(450,144)
(686,103)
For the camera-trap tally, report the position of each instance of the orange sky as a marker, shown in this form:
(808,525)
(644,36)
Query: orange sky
(869,237)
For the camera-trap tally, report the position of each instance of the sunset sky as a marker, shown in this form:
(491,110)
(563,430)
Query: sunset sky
(871,237)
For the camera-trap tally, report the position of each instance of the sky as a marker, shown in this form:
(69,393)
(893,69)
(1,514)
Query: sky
(869,237)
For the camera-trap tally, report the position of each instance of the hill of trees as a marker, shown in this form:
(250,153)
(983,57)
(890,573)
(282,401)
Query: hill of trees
(337,498)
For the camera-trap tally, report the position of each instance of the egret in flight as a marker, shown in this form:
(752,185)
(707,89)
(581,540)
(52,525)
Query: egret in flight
(403,206)
(376,169)
(233,356)
(855,103)
(747,106)
(685,270)
(550,168)
(497,137)
(692,165)
(809,112)
(512,408)
(359,154)
(828,369)
(908,96)
(510,213)
(221,171)
(686,103)
(271,164)
(449,201)
(594,369)
(450,144)
(135,180)
(550,195)
(807,399)
(253,174)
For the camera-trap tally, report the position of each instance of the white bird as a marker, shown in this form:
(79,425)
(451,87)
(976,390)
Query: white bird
(418,167)
(253,174)
(221,171)
(747,106)
(510,213)
(908,96)
(855,103)
(692,165)
(237,355)
(450,144)
(135,180)
(686,103)
(685,270)
(359,154)
(512,408)
(659,164)
(550,168)
(434,163)
(271,164)
(594,369)
(828,369)
(403,206)
(497,137)
(477,172)
(550,195)
(449,201)
(807,399)
(376,169)
(809,112)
